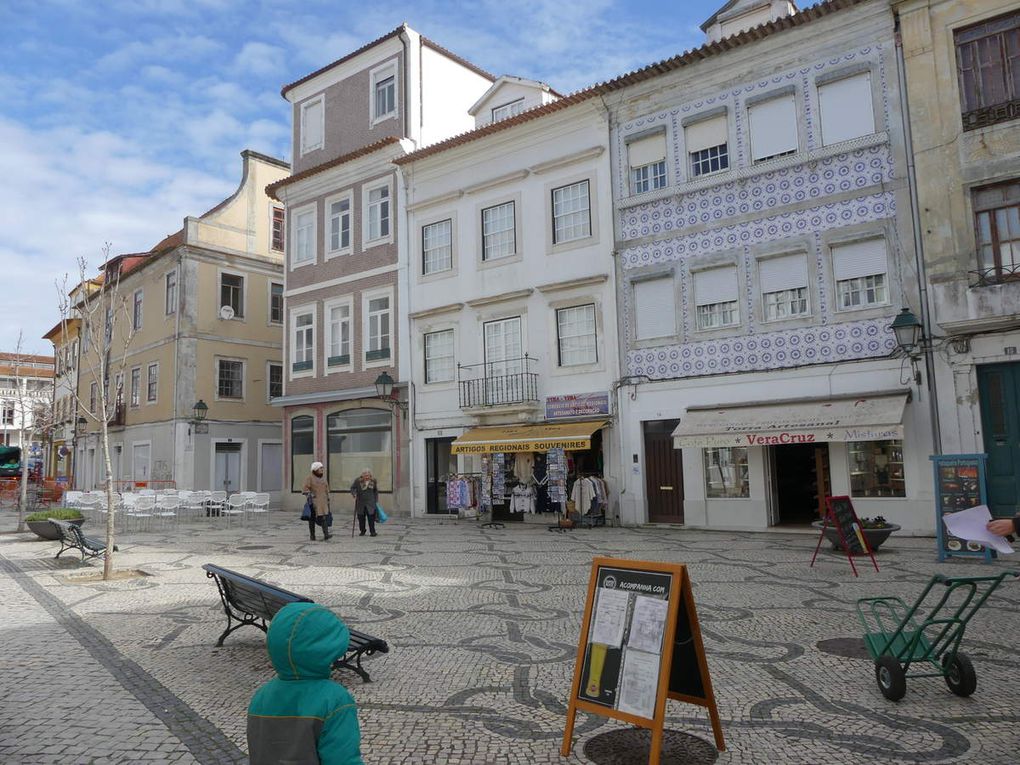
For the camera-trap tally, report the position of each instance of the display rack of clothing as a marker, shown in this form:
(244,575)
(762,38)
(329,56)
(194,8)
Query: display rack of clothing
(590,496)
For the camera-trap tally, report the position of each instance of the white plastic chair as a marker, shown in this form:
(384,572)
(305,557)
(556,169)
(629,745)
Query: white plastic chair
(167,507)
(216,502)
(194,505)
(235,506)
(260,504)
(141,510)
(72,498)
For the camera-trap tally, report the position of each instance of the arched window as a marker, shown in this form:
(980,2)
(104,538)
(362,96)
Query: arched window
(302,450)
(357,439)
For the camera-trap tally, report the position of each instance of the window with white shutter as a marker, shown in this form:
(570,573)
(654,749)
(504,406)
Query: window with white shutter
(773,126)
(715,297)
(860,269)
(647,159)
(707,144)
(847,108)
(312,124)
(784,286)
(654,308)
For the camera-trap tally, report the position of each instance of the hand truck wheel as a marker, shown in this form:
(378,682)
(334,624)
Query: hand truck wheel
(960,675)
(891,679)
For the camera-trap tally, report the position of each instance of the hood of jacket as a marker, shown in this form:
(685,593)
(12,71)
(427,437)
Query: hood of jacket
(304,639)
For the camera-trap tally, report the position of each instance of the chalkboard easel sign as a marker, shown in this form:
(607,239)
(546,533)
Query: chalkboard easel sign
(640,644)
(843,517)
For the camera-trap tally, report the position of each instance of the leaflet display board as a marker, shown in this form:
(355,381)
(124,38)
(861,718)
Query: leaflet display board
(640,644)
(959,485)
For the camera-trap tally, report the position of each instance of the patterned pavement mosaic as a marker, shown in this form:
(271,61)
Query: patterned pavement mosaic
(482,627)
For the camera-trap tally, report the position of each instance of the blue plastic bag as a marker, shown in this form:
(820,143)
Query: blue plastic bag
(380,514)
(308,512)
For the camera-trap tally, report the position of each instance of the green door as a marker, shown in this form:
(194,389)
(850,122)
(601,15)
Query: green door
(999,388)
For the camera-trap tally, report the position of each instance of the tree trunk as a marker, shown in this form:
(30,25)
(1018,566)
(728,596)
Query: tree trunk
(23,499)
(110,508)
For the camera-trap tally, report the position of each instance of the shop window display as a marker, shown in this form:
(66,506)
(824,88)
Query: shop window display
(876,469)
(359,439)
(726,474)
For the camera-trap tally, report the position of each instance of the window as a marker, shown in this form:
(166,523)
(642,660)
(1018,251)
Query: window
(707,143)
(654,308)
(152,382)
(499,231)
(860,271)
(136,386)
(379,213)
(646,157)
(437,247)
(876,469)
(506,381)
(439,363)
(357,439)
(506,111)
(571,213)
(997,226)
(277,230)
(726,475)
(312,124)
(384,92)
(171,293)
(339,325)
(275,303)
(784,286)
(304,342)
(575,333)
(302,450)
(988,63)
(340,225)
(715,298)
(847,108)
(93,397)
(378,329)
(773,126)
(304,237)
(232,293)
(274,386)
(229,378)
(136,316)
(8,413)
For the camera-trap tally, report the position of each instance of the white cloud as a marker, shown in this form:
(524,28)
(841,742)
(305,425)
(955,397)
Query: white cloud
(259,59)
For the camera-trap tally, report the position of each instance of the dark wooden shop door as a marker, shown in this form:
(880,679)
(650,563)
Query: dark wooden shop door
(664,473)
(999,391)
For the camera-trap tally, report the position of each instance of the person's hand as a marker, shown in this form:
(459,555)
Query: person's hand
(1001,526)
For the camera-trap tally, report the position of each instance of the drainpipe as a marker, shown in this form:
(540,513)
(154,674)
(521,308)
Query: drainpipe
(177,360)
(915,219)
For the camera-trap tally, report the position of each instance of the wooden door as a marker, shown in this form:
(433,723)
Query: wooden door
(999,389)
(664,473)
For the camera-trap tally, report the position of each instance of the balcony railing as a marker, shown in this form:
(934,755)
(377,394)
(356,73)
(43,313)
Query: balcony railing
(498,383)
(985,277)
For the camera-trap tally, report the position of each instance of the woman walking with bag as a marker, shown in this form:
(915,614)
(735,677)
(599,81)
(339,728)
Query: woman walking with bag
(366,496)
(316,488)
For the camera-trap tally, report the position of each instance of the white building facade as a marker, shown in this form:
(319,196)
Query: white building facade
(764,247)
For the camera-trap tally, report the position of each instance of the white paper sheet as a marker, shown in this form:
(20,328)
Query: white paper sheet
(648,624)
(970,525)
(639,682)
(610,617)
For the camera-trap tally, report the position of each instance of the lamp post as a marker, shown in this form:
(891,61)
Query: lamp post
(384,390)
(198,414)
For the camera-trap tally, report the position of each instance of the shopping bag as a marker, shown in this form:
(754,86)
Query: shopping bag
(380,514)
(326,520)
(308,511)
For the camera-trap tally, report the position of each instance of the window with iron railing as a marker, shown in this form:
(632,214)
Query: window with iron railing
(498,383)
(988,65)
(997,232)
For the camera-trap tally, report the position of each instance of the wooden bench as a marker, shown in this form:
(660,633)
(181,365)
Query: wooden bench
(72,538)
(247,600)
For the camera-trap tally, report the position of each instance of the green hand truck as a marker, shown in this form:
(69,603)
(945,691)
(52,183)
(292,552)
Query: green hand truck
(934,641)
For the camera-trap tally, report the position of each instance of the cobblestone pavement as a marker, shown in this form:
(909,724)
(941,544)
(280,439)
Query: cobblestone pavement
(483,628)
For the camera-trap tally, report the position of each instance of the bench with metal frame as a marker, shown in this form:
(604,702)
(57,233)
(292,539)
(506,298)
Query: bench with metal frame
(247,600)
(72,538)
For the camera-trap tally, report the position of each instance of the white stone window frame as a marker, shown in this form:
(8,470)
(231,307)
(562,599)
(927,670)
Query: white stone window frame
(148,383)
(366,213)
(294,216)
(327,344)
(328,216)
(435,330)
(292,328)
(269,303)
(423,255)
(137,310)
(170,302)
(852,235)
(216,382)
(366,297)
(304,148)
(479,239)
(806,251)
(592,239)
(220,273)
(553,346)
(845,73)
(273,209)
(377,75)
(791,93)
(419,251)
(283,379)
(738,317)
(135,393)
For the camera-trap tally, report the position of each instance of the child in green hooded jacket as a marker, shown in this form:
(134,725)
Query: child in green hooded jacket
(302,717)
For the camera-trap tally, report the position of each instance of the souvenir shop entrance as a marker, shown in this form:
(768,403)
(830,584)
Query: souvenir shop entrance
(440,464)
(533,470)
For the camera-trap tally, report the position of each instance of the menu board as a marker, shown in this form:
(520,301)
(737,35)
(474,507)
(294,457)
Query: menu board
(959,485)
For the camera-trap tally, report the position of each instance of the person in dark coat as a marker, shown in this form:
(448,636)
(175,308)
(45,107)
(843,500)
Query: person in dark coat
(366,495)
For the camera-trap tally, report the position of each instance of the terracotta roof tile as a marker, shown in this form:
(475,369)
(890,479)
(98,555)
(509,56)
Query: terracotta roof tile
(272,188)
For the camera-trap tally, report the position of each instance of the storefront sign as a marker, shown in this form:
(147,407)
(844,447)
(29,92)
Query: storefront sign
(576,405)
(960,484)
(569,444)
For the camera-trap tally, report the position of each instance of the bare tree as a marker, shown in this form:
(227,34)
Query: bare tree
(106,331)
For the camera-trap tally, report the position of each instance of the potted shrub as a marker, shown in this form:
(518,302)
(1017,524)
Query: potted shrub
(876,530)
(40,525)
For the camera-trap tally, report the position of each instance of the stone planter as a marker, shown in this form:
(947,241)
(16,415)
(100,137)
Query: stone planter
(45,530)
(874,537)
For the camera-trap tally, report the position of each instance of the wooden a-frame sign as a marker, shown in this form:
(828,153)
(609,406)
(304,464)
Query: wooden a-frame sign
(842,515)
(640,644)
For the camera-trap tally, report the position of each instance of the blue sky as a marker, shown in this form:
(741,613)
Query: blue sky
(120,117)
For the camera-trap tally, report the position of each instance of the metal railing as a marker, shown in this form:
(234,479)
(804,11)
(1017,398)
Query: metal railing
(497,383)
(985,277)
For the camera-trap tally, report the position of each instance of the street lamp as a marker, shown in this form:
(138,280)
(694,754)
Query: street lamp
(198,415)
(80,424)
(908,331)
(384,390)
